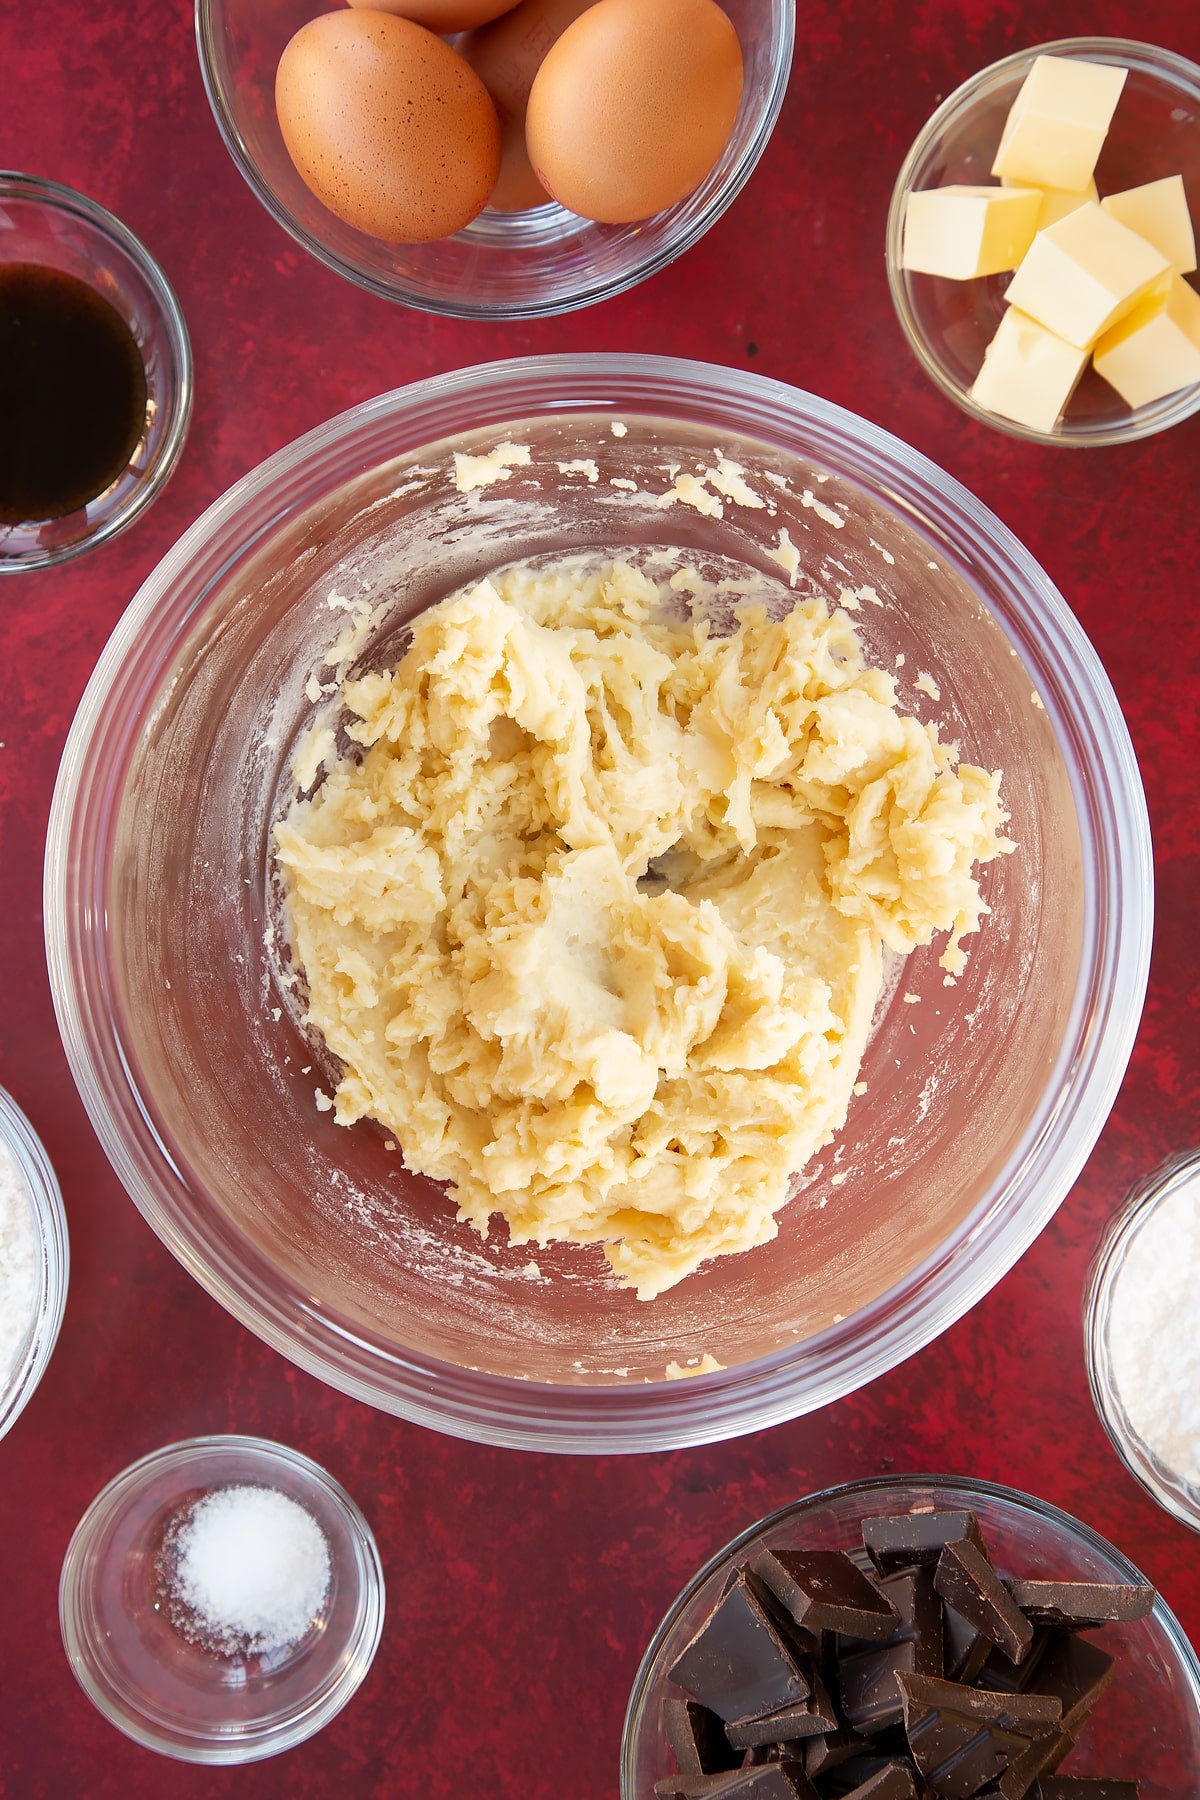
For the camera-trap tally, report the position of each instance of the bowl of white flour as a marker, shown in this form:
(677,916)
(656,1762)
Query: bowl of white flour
(33,1260)
(1143,1349)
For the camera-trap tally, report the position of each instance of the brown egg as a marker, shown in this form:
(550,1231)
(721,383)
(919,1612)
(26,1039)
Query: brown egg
(506,55)
(387,125)
(633,105)
(442,16)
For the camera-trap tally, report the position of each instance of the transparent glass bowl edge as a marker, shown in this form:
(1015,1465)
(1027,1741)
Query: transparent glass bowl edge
(1143,422)
(50,1226)
(1166,1487)
(248,1746)
(766,1392)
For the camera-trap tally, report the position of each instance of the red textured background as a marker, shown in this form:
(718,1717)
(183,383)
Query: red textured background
(522,1588)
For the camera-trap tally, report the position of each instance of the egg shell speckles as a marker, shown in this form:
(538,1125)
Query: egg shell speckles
(633,106)
(387,126)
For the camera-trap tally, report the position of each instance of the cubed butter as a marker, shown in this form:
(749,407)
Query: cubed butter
(1028,373)
(964,231)
(1084,274)
(1155,350)
(1159,213)
(1056,202)
(1058,122)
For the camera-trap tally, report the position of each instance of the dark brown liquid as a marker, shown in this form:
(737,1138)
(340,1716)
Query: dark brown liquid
(72,393)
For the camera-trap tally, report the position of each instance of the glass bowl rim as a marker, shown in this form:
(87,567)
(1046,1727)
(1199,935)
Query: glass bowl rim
(1039,1510)
(53,1242)
(286,1733)
(57,197)
(1162,1484)
(590,292)
(1169,67)
(519,1414)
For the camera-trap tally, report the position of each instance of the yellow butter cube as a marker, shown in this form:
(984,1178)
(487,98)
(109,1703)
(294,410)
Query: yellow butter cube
(1056,202)
(1155,350)
(1058,122)
(1084,274)
(1159,213)
(960,232)
(1028,373)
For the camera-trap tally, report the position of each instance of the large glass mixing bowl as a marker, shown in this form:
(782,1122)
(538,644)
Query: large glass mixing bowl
(981,1102)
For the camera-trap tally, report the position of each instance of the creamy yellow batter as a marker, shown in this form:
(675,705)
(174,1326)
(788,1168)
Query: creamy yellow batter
(596,923)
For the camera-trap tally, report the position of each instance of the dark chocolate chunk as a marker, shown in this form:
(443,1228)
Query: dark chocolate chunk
(787,1724)
(1076,1672)
(894,1782)
(1007,1677)
(1042,1755)
(823,1754)
(738,1664)
(867,1684)
(698,1739)
(1084,1787)
(824,1591)
(903,1541)
(966,1649)
(1081,1604)
(765,1781)
(967,1581)
(962,1738)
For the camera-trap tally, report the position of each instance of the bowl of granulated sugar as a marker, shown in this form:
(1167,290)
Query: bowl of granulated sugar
(1143,1347)
(221,1599)
(33,1260)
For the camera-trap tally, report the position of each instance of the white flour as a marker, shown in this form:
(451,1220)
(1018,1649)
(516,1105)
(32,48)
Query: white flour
(18,1263)
(1153,1335)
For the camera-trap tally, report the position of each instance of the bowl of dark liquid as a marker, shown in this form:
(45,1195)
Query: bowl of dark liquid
(95,375)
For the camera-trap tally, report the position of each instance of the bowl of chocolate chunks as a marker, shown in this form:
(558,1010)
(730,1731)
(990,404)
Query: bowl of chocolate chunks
(925,1637)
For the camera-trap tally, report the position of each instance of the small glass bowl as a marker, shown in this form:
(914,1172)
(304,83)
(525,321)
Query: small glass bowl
(1165,1484)
(1149,1725)
(43,223)
(503,265)
(176,1697)
(50,1237)
(949,324)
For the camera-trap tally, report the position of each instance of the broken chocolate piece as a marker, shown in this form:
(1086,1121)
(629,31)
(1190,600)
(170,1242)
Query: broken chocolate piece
(852,1780)
(1042,1755)
(963,1738)
(1079,1605)
(766,1781)
(787,1724)
(1076,1672)
(693,1787)
(867,1678)
(1007,1677)
(738,1664)
(907,1539)
(1084,1787)
(891,1783)
(967,1581)
(824,1591)
(698,1739)
(966,1650)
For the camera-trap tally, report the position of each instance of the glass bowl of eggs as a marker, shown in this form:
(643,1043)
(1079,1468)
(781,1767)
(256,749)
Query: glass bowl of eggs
(976,1097)
(394,147)
(1124,227)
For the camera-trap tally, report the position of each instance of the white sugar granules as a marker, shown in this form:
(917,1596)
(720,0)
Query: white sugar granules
(1154,1335)
(250,1567)
(18,1263)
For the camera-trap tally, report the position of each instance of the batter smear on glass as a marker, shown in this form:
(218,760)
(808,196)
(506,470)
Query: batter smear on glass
(595,923)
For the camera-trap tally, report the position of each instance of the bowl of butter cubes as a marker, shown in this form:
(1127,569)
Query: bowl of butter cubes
(1041,243)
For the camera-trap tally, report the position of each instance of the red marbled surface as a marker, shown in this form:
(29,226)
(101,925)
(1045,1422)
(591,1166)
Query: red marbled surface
(522,1588)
